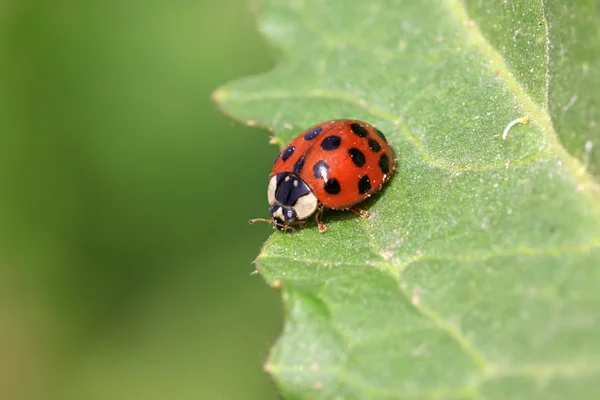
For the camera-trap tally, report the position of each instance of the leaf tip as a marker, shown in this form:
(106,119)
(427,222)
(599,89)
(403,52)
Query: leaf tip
(269,367)
(276,141)
(219,95)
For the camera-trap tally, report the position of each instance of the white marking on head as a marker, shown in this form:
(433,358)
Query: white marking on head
(295,183)
(287,178)
(272,189)
(306,205)
(279,214)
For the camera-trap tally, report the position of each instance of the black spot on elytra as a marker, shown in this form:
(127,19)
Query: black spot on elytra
(332,186)
(359,130)
(299,165)
(321,169)
(374,145)
(384,163)
(364,185)
(358,158)
(331,142)
(381,135)
(313,133)
(287,153)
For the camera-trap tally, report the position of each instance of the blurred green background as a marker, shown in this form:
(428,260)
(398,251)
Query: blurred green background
(125,252)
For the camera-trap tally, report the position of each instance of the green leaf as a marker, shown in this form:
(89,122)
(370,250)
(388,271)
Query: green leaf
(477,274)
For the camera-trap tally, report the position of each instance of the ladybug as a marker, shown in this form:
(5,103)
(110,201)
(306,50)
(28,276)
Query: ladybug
(332,165)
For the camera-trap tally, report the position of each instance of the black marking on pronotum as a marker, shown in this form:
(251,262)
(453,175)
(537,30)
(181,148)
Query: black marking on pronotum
(313,133)
(331,142)
(384,163)
(358,158)
(321,169)
(289,189)
(332,186)
(374,145)
(299,164)
(287,153)
(364,185)
(381,135)
(359,130)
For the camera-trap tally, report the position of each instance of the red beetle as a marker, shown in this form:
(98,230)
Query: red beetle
(335,164)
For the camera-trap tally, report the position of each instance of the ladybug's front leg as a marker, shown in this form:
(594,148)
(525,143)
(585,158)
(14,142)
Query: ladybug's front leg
(287,227)
(318,216)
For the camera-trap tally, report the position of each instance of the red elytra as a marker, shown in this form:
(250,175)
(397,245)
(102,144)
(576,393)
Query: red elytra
(335,164)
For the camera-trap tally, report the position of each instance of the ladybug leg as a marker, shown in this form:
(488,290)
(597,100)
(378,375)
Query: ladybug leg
(288,228)
(301,223)
(283,227)
(360,211)
(318,216)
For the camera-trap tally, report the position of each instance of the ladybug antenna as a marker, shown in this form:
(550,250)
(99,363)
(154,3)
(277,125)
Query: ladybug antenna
(260,220)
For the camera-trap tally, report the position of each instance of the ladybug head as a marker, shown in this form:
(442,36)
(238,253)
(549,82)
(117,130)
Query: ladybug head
(290,199)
